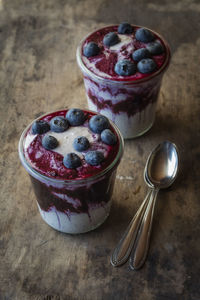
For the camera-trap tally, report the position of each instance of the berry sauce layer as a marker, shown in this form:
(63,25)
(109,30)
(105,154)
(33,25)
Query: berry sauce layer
(104,62)
(51,157)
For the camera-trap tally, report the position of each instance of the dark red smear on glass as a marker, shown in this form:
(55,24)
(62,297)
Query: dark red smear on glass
(96,195)
(130,106)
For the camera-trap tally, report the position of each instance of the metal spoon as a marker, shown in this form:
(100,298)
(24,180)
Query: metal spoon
(160,172)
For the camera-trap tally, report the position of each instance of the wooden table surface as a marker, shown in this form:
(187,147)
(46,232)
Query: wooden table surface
(39,73)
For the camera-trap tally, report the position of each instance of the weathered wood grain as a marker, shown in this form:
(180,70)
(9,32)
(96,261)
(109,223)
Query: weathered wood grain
(38,73)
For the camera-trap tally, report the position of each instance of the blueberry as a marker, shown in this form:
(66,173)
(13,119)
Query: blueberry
(98,123)
(72,161)
(75,117)
(49,142)
(91,49)
(144,35)
(146,65)
(40,127)
(108,137)
(125,67)
(125,28)
(59,124)
(155,48)
(140,54)
(81,143)
(110,39)
(94,158)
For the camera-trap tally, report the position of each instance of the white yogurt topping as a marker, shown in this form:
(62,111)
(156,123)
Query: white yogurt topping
(125,42)
(28,140)
(92,67)
(66,139)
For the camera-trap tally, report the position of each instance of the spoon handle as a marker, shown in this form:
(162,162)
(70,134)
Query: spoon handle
(123,249)
(141,246)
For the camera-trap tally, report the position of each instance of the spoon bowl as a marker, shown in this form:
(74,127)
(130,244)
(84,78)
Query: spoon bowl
(162,166)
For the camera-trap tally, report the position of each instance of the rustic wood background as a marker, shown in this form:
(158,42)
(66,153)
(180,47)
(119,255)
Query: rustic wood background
(38,73)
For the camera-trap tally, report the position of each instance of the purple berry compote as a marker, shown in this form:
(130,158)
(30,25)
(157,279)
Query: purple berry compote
(122,81)
(72,167)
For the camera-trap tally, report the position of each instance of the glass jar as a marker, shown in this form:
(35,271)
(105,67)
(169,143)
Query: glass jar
(73,206)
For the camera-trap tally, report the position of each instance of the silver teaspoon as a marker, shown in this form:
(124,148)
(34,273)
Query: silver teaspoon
(160,172)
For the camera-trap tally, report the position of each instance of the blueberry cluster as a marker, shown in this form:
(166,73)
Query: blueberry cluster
(100,124)
(142,56)
(75,117)
(142,60)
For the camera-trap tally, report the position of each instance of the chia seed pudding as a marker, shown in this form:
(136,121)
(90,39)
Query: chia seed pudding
(123,68)
(72,157)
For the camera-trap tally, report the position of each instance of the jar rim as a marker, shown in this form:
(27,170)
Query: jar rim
(37,174)
(111,81)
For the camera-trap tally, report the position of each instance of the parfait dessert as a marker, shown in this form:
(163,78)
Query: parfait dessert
(71,157)
(123,68)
